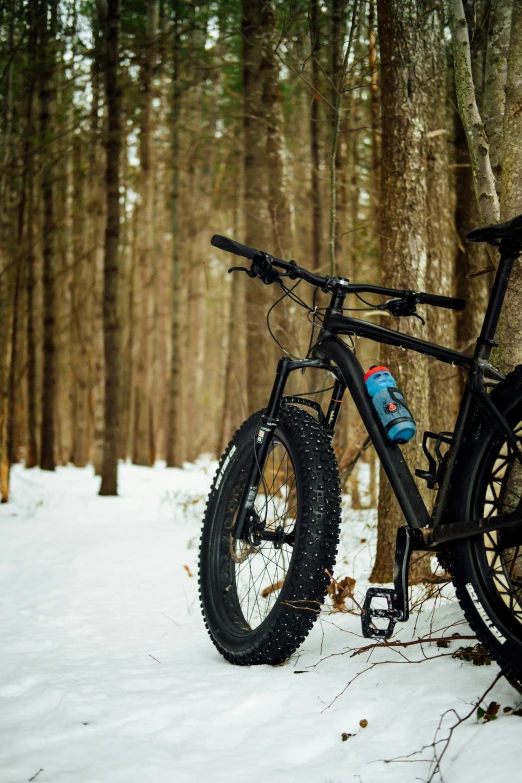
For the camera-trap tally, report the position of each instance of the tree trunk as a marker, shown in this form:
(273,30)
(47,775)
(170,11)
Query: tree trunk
(234,408)
(441,323)
(80,321)
(110,23)
(174,417)
(338,155)
(484,180)
(257,31)
(47,45)
(495,82)
(31,457)
(374,106)
(97,219)
(471,257)
(315,135)
(511,195)
(406,36)
(6,328)
(278,209)
(8,273)
(144,446)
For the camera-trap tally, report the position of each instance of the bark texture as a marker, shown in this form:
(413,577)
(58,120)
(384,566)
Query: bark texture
(257,30)
(315,144)
(510,327)
(484,180)
(406,34)
(495,82)
(440,278)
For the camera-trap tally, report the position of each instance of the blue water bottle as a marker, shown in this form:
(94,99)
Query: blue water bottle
(390,405)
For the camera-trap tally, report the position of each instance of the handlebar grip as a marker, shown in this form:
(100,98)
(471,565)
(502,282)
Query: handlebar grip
(449,302)
(231,246)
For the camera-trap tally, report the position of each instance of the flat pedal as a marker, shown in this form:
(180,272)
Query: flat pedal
(397,607)
(391,613)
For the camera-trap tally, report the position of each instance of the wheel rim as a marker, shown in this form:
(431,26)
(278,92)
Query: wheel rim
(259,570)
(503,552)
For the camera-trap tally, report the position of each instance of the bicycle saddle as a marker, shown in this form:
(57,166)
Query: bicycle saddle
(510,230)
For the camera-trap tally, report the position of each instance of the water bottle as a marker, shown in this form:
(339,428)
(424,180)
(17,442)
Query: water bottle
(390,405)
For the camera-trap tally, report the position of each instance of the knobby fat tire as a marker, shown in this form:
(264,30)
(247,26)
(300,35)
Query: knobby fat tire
(497,626)
(314,551)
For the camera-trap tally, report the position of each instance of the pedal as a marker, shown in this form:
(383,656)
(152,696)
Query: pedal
(397,607)
(369,629)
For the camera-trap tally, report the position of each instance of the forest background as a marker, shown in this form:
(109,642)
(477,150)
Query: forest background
(360,138)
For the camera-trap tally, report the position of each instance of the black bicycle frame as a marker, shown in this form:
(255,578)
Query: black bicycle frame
(331,353)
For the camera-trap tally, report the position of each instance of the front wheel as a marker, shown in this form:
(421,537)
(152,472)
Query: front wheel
(260,601)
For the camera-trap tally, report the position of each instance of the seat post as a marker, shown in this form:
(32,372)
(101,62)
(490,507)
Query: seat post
(485,343)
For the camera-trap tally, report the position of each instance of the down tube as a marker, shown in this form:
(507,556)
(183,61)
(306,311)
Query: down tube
(390,455)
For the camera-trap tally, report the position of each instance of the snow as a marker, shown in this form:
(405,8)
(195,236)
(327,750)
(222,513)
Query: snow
(107,674)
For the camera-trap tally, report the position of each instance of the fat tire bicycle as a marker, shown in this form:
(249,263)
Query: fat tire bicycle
(271,526)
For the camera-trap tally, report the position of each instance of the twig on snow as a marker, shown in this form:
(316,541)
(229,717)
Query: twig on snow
(444,741)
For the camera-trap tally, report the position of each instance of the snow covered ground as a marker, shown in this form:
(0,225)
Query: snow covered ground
(107,674)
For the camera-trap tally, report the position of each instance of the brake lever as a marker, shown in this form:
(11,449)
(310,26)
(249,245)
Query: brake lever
(242,269)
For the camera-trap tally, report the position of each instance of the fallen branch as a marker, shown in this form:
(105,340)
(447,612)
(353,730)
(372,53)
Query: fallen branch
(430,640)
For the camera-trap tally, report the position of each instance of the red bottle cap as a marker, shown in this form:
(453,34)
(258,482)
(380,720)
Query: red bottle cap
(372,370)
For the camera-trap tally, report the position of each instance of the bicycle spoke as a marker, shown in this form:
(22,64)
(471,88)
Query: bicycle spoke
(505,562)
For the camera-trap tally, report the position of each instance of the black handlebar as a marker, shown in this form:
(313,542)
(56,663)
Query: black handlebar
(449,302)
(327,283)
(231,246)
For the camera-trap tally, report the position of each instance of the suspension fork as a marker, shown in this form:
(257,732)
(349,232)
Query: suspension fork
(264,437)
(262,443)
(334,406)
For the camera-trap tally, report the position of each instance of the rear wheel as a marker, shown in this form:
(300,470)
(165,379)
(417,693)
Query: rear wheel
(487,569)
(260,600)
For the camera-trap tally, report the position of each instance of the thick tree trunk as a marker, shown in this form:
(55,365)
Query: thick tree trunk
(406,37)
(110,22)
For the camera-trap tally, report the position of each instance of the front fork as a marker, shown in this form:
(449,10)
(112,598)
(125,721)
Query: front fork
(265,433)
